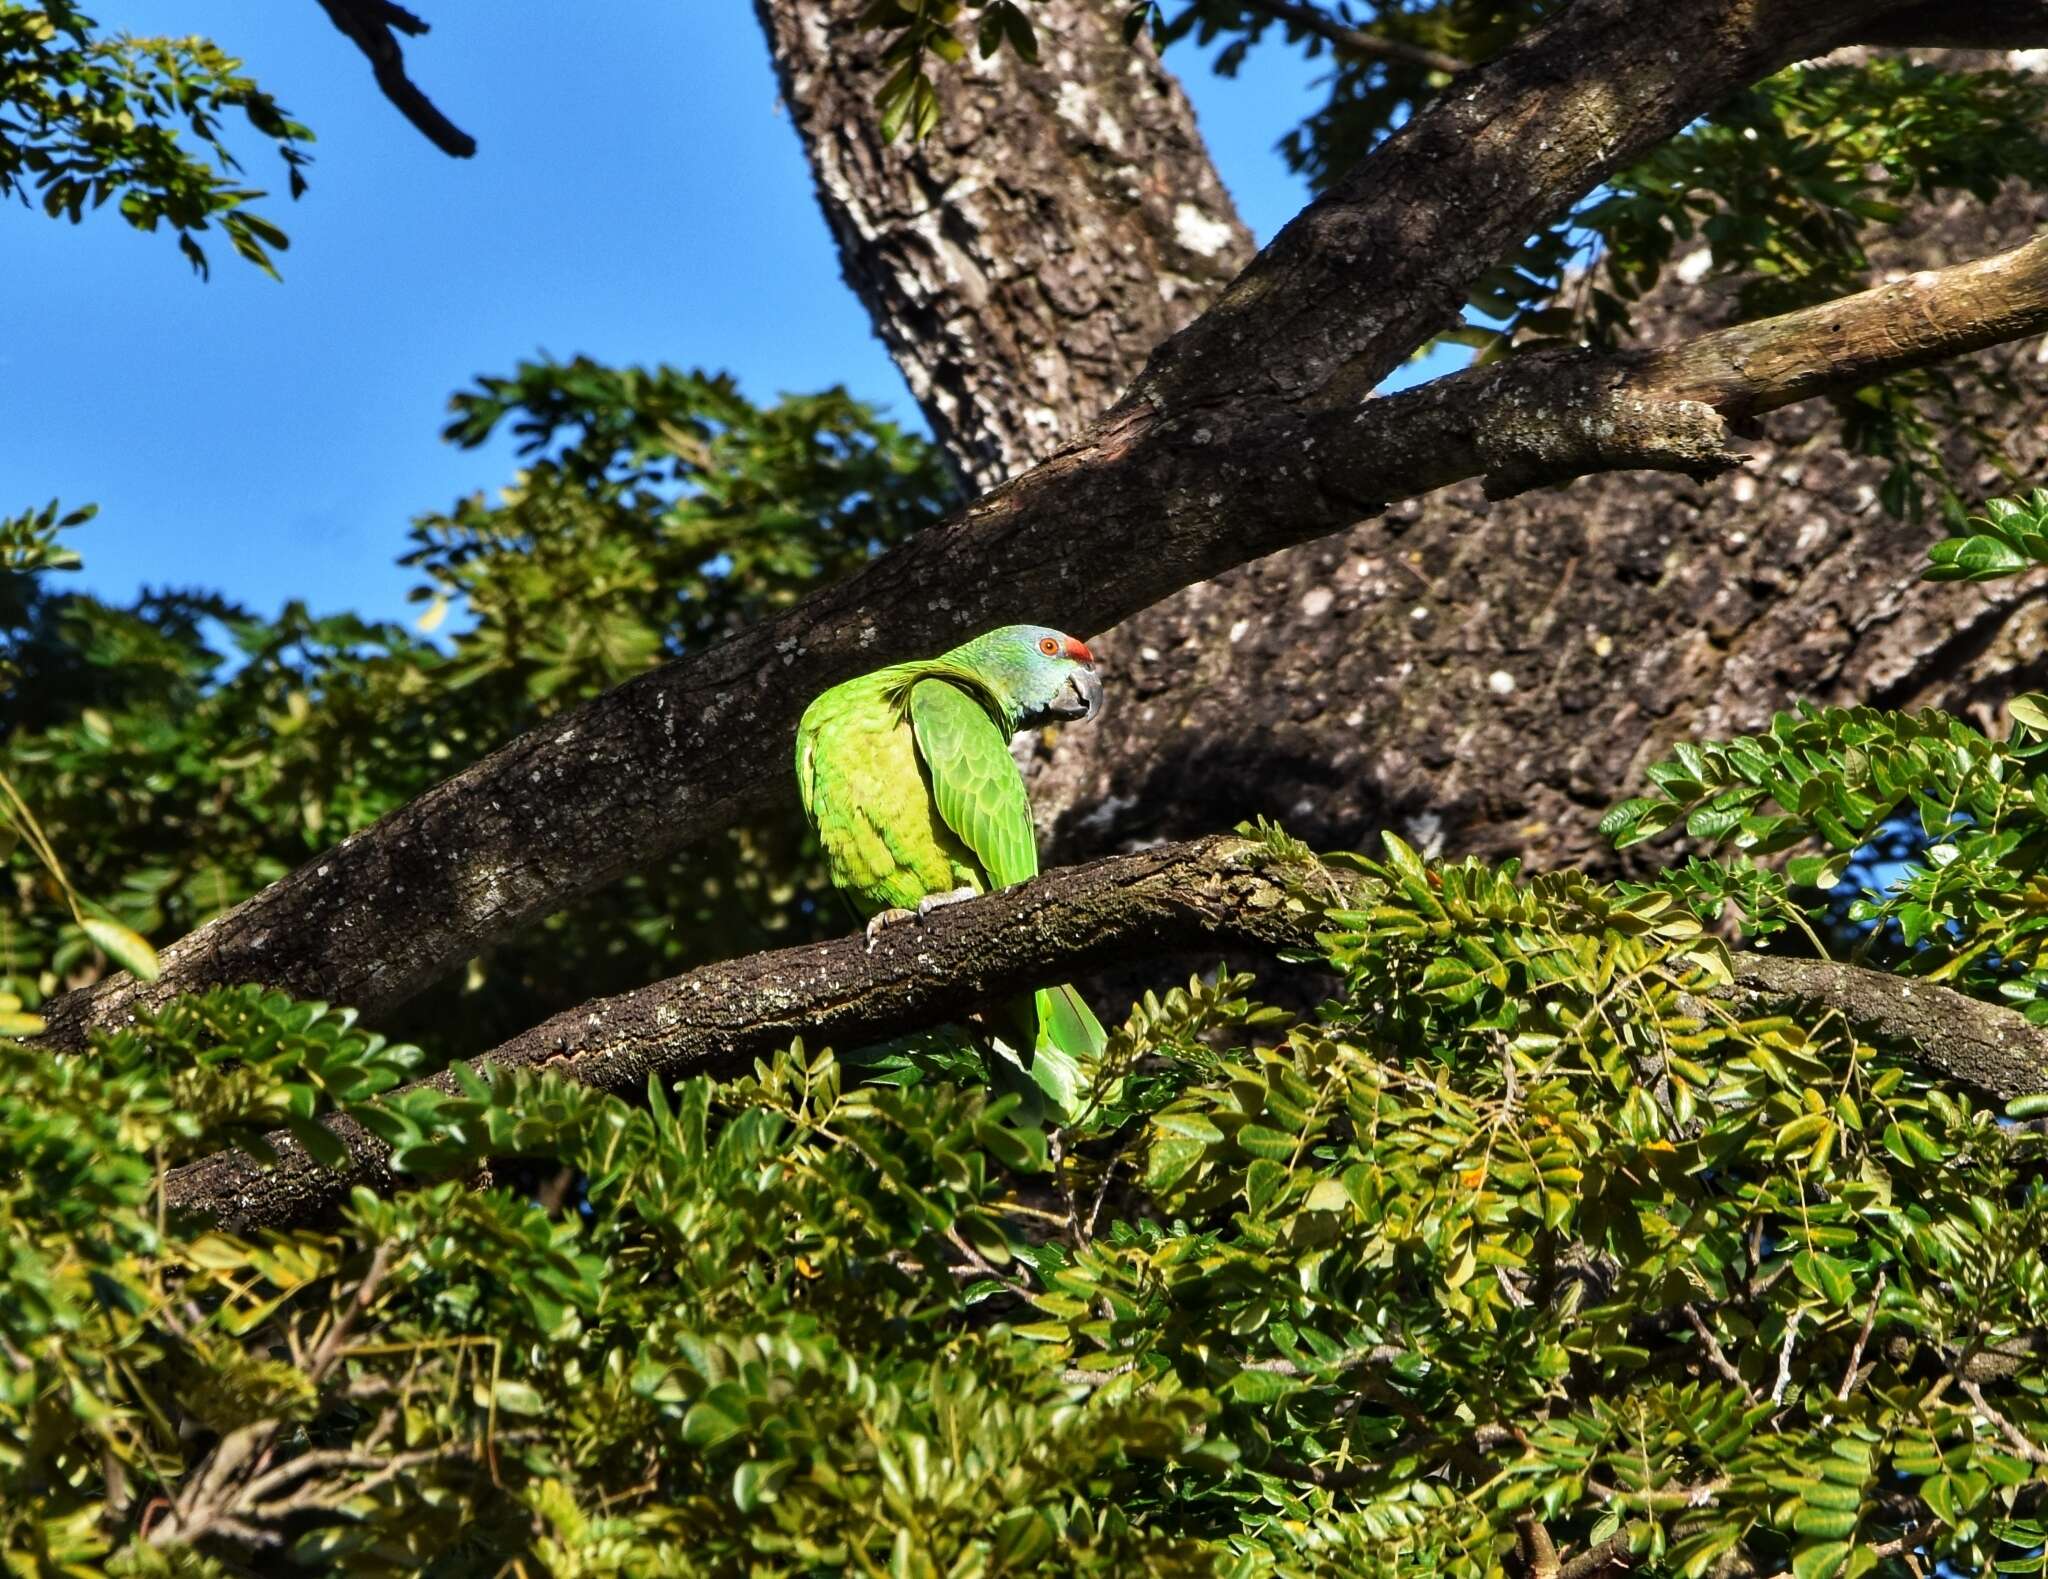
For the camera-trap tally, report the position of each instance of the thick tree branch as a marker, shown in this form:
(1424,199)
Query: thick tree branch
(590,795)
(1354,40)
(1218,892)
(719,1019)
(371,25)
(1983,1045)
(1386,257)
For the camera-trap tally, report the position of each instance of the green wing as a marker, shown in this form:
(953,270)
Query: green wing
(979,791)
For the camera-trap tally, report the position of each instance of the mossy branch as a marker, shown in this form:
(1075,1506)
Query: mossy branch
(1222,891)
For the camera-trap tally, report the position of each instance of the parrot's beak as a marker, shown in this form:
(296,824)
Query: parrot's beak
(1084,689)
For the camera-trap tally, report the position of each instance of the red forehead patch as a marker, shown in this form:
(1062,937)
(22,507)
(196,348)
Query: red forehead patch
(1078,649)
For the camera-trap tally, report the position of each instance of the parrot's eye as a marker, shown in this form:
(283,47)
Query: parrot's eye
(1048,646)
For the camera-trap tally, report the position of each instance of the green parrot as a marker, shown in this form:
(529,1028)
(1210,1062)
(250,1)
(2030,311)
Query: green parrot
(907,776)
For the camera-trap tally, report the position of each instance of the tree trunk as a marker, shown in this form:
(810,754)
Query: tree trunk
(1023,260)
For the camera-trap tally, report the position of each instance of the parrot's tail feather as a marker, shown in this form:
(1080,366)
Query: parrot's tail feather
(1066,1042)
(1066,1022)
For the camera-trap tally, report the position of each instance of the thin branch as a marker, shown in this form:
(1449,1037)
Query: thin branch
(1356,41)
(1716,1356)
(1221,890)
(370,26)
(1862,1338)
(2015,1439)
(1785,1357)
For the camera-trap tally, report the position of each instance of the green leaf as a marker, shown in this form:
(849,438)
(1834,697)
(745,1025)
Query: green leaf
(1262,1387)
(321,1143)
(2031,710)
(1262,1140)
(1819,1560)
(125,948)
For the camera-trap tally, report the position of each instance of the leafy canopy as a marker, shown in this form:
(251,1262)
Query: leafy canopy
(1530,1236)
(184,752)
(85,117)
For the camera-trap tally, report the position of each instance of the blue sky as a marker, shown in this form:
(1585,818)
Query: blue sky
(637,197)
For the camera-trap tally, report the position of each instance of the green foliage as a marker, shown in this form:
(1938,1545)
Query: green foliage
(2011,535)
(28,541)
(925,29)
(86,117)
(1971,911)
(1527,1227)
(1784,188)
(1509,1229)
(660,511)
(656,512)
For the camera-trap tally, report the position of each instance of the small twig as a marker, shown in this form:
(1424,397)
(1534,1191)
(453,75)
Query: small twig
(1863,1337)
(1326,1477)
(369,25)
(1716,1355)
(982,1264)
(1056,1142)
(1076,1377)
(1101,1192)
(365,1295)
(1785,1357)
(2032,1452)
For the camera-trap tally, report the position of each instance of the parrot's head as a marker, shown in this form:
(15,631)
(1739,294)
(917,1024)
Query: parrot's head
(1042,676)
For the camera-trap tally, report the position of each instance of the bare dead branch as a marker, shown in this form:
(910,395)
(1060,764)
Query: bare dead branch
(1855,1364)
(370,26)
(1785,1357)
(1928,317)
(2015,1440)
(1716,1355)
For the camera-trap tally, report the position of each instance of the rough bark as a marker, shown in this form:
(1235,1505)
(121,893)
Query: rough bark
(1981,1045)
(1218,891)
(1285,686)
(1491,677)
(1201,467)
(1020,263)
(720,1018)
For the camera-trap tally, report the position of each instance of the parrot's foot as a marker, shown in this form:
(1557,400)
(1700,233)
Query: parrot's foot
(931,902)
(886,918)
